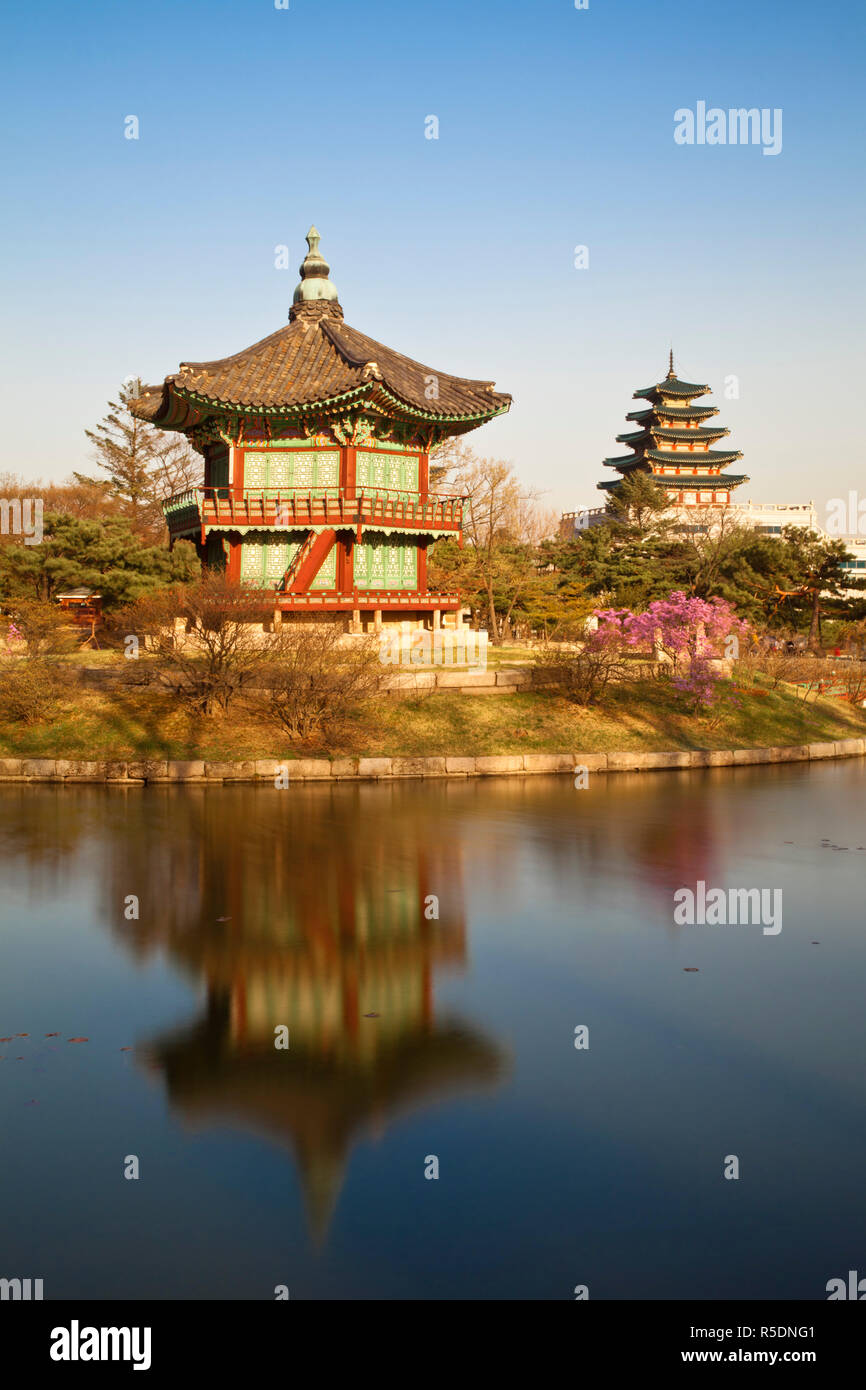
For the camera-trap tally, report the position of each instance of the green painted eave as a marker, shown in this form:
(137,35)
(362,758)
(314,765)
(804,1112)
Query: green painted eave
(672,388)
(661,432)
(716,482)
(676,412)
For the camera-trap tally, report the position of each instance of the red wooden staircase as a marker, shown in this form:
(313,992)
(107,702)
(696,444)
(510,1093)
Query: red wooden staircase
(307,561)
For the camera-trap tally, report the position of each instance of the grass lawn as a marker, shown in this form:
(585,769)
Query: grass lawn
(642,715)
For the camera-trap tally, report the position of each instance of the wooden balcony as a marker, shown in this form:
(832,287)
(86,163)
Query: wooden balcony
(369,600)
(206,508)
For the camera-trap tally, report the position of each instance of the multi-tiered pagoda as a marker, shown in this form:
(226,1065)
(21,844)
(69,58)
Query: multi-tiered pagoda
(316,446)
(672,442)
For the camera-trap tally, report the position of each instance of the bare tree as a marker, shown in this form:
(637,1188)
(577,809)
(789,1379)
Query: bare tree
(502,526)
(316,683)
(207,640)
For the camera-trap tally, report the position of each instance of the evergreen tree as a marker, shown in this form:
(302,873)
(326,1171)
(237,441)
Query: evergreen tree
(103,555)
(144,465)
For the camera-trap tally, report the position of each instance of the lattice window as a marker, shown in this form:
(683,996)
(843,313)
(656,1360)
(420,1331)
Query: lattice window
(386,564)
(388,473)
(303,470)
(279,469)
(328,470)
(283,470)
(265,560)
(255,470)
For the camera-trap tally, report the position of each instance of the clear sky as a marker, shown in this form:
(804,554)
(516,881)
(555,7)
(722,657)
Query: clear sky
(556,130)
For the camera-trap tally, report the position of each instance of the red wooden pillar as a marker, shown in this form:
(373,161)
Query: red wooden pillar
(424,476)
(348,470)
(422,566)
(233,564)
(237,489)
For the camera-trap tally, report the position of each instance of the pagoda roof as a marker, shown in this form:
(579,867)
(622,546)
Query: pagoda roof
(316,363)
(671,386)
(676,412)
(679,459)
(688,482)
(623,461)
(682,458)
(680,436)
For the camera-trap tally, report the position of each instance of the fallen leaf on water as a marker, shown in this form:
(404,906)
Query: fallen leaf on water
(126,1049)
(78,1040)
(690,969)
(816,943)
(22,1035)
(5,1039)
(52,1035)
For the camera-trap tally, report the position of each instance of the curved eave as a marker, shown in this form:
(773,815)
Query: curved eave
(719,482)
(673,390)
(682,458)
(660,433)
(675,412)
(625,461)
(181,408)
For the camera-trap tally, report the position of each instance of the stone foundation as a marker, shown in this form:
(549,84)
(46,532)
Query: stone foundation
(265,770)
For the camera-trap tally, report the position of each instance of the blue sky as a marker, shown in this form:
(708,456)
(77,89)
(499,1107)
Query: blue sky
(555,130)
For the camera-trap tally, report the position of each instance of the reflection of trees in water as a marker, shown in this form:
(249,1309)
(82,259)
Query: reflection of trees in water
(44,826)
(650,832)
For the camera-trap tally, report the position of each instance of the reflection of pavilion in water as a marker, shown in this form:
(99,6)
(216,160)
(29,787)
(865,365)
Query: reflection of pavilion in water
(326,933)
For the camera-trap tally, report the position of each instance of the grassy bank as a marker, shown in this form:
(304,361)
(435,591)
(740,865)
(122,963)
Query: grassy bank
(640,716)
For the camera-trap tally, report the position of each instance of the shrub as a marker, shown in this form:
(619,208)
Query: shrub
(583,676)
(29,691)
(314,683)
(207,640)
(41,627)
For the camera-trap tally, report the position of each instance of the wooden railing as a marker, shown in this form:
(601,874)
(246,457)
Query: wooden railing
(297,510)
(370,599)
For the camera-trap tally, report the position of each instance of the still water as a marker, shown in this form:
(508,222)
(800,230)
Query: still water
(413,1036)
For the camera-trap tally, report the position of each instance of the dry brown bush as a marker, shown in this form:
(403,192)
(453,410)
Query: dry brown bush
(313,684)
(29,691)
(206,642)
(44,627)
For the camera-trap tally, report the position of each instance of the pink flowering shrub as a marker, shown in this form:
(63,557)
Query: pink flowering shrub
(688,633)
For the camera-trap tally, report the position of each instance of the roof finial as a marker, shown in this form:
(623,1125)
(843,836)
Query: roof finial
(314,272)
(671,372)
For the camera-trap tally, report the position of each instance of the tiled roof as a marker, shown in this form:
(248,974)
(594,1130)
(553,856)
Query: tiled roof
(688,482)
(315,358)
(681,458)
(671,386)
(660,432)
(673,412)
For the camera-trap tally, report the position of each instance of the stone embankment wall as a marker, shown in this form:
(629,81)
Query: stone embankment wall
(466,682)
(266,770)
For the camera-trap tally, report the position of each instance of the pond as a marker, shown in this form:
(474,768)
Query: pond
(478,980)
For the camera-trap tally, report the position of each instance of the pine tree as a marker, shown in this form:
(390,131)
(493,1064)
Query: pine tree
(143,465)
